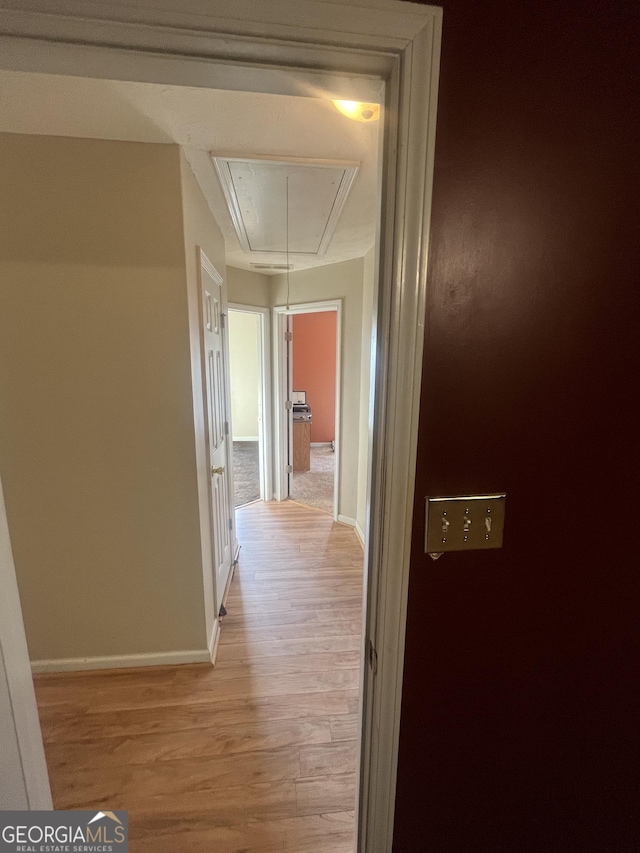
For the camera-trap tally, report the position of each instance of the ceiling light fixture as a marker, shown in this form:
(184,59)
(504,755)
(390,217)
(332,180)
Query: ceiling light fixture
(358,111)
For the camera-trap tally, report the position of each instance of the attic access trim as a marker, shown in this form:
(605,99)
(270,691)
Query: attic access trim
(255,191)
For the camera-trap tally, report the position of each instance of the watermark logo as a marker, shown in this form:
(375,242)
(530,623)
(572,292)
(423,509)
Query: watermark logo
(64,832)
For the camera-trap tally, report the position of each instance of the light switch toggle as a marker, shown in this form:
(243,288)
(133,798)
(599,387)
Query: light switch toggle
(464,523)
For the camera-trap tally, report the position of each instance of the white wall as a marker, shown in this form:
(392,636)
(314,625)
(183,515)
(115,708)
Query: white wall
(244,370)
(338,281)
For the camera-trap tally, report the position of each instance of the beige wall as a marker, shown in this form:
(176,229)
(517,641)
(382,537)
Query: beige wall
(338,281)
(368,291)
(249,288)
(97,450)
(244,374)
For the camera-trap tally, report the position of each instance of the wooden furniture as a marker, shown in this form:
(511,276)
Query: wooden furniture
(301,446)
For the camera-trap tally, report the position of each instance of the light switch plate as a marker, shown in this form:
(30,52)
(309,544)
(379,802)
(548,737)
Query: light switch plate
(464,523)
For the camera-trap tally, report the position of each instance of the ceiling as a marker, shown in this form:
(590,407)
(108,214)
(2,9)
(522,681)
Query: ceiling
(210,122)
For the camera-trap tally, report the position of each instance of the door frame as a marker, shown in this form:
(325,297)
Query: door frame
(24,767)
(265,431)
(283,418)
(212,596)
(341,50)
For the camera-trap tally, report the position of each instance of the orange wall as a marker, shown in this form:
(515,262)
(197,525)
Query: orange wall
(314,369)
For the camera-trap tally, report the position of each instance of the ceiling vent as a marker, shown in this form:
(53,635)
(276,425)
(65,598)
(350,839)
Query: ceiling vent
(256,193)
(274,267)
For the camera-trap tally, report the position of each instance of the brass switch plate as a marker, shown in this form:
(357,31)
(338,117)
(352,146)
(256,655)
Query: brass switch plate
(464,523)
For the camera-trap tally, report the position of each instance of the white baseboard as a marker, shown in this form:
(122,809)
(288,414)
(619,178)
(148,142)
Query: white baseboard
(214,641)
(121,661)
(344,519)
(246,438)
(321,443)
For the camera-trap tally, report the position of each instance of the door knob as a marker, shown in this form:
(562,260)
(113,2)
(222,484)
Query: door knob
(219,470)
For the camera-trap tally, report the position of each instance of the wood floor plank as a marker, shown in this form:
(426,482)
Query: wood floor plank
(292,632)
(260,593)
(325,794)
(212,691)
(328,759)
(318,612)
(187,744)
(137,783)
(305,574)
(64,696)
(344,727)
(287,665)
(169,719)
(330,833)
(225,806)
(288,599)
(256,755)
(254,651)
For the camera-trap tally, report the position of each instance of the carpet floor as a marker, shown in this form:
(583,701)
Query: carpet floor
(246,472)
(315,487)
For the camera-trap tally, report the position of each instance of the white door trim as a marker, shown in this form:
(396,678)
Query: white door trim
(247,44)
(212,595)
(280,312)
(266,448)
(26,781)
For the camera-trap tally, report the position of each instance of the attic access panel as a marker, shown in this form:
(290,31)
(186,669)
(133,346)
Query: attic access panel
(255,190)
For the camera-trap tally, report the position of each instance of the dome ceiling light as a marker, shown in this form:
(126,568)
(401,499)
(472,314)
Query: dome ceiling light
(358,111)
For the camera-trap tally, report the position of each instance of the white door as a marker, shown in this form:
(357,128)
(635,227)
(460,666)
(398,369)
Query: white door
(218,422)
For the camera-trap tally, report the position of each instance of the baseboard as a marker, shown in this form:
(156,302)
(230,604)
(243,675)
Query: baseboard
(214,642)
(121,661)
(321,443)
(246,438)
(344,519)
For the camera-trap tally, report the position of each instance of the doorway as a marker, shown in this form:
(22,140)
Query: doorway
(250,389)
(308,365)
(313,394)
(407,59)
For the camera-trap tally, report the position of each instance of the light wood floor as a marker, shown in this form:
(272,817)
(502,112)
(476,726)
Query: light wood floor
(254,756)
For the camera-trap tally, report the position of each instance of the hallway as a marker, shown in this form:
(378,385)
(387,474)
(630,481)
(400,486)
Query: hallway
(258,754)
